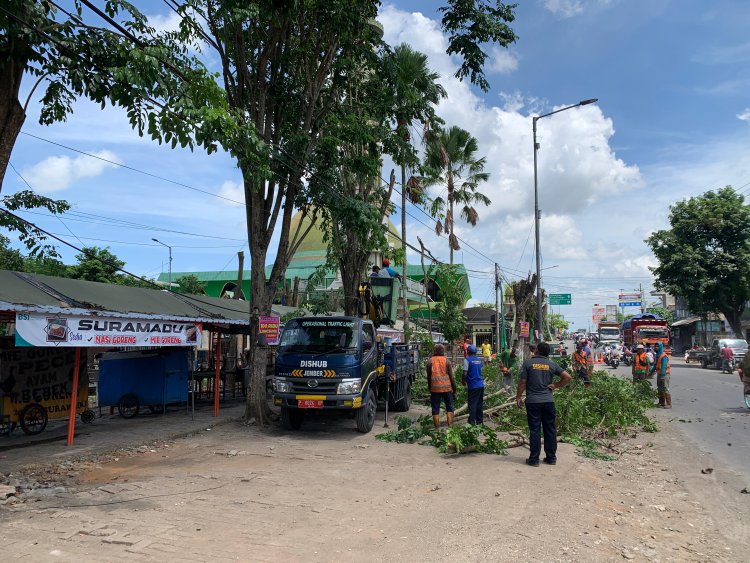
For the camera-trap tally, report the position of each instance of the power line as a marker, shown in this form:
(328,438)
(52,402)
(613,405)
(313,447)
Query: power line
(133,169)
(111,264)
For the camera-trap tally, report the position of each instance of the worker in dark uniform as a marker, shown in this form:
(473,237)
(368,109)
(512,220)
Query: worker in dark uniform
(537,374)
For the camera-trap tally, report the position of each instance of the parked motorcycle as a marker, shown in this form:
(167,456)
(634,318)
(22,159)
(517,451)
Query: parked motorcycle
(728,366)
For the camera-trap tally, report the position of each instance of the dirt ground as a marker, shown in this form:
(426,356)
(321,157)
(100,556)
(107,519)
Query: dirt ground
(327,493)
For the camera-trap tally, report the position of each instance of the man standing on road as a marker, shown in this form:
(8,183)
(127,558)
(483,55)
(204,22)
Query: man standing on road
(580,365)
(472,378)
(441,384)
(662,369)
(640,364)
(744,371)
(537,374)
(486,351)
(589,358)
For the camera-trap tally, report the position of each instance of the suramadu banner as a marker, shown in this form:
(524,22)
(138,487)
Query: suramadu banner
(106,332)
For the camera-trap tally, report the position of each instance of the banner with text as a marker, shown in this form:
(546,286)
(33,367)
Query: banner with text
(73,331)
(269,328)
(523,329)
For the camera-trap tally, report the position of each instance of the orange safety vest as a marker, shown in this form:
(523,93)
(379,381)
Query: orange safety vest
(641,362)
(440,381)
(658,364)
(580,358)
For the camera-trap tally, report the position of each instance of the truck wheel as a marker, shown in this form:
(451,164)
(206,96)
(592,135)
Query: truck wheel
(404,403)
(704,363)
(366,413)
(291,419)
(88,416)
(33,419)
(128,406)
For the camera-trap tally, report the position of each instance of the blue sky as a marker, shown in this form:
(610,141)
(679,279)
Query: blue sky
(673,120)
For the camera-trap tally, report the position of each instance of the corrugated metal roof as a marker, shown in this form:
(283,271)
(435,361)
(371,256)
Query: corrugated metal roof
(36,293)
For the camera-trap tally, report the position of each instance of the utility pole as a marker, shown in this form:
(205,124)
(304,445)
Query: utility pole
(403,250)
(643,301)
(498,336)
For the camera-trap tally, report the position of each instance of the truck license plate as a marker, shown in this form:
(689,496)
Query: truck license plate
(309,404)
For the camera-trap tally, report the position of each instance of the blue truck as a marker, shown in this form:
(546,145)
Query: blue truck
(340,363)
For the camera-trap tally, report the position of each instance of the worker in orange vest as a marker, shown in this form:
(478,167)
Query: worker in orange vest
(441,383)
(662,369)
(640,364)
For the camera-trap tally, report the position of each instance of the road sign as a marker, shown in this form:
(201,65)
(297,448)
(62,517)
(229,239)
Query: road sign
(630,303)
(560,299)
(629,297)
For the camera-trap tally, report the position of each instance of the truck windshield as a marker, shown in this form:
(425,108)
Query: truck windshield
(653,332)
(734,343)
(609,333)
(319,336)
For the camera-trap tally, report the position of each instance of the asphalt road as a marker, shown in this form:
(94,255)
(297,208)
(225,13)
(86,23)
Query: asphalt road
(708,408)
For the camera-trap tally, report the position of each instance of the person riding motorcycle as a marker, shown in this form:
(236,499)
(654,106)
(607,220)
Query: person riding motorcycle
(640,364)
(727,355)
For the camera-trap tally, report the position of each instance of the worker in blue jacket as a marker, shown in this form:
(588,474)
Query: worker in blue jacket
(472,378)
(662,369)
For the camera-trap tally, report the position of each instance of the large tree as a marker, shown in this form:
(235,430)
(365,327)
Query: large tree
(62,57)
(386,93)
(451,162)
(704,257)
(284,68)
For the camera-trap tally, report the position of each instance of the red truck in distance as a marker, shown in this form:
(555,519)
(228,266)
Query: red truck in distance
(646,329)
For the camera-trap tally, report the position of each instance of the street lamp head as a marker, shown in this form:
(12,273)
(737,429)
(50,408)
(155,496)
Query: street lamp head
(587,102)
(153,239)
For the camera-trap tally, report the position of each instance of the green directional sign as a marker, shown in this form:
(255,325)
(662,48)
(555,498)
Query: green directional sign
(560,299)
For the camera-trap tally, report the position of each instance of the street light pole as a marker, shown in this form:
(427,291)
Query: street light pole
(170,260)
(534,119)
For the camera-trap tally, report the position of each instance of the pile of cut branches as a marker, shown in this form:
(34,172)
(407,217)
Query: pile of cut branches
(593,418)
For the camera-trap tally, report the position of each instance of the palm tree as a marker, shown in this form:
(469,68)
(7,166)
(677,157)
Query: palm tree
(417,92)
(451,161)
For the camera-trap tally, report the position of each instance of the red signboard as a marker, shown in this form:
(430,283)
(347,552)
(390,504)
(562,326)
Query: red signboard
(524,329)
(269,327)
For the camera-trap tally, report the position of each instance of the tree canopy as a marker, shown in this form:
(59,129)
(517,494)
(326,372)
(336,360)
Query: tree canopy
(704,257)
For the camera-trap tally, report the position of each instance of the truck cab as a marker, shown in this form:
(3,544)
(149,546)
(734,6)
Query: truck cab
(339,363)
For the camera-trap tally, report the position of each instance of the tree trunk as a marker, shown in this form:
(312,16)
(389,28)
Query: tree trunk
(12,114)
(735,321)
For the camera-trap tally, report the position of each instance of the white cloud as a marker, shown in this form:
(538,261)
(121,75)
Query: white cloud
(569,8)
(744,115)
(564,8)
(165,22)
(502,61)
(57,173)
(234,191)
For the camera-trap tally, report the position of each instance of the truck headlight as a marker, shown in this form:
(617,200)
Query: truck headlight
(282,386)
(349,387)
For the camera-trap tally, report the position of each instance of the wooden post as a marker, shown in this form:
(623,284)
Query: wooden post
(218,373)
(240,271)
(74,398)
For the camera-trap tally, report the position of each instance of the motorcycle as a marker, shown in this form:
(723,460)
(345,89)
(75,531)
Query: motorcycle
(627,358)
(728,366)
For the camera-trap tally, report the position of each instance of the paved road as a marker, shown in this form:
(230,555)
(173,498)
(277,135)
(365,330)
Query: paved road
(708,408)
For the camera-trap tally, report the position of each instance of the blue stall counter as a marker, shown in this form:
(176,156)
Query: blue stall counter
(151,378)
